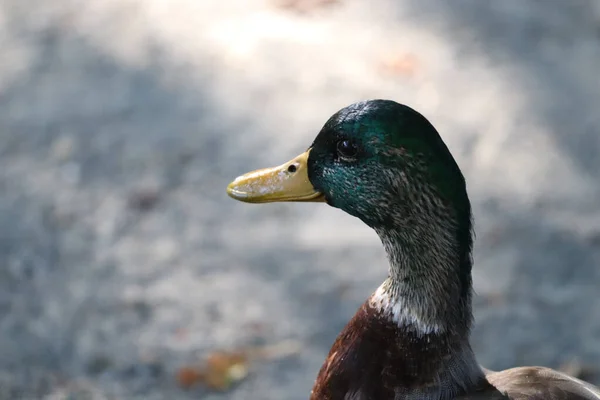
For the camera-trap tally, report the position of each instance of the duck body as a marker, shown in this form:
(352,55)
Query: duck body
(384,163)
(374,359)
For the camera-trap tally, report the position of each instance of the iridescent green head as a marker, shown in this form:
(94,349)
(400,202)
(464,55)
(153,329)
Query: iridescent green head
(380,161)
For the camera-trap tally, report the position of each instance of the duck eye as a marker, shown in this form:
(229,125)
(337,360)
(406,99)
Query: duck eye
(347,149)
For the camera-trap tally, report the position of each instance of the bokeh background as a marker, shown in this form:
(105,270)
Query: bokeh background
(122,260)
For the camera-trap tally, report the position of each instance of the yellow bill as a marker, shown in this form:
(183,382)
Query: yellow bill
(287,182)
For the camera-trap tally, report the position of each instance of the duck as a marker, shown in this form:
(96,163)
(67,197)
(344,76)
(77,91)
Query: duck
(385,163)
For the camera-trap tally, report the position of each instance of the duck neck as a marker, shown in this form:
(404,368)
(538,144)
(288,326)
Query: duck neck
(427,295)
(429,280)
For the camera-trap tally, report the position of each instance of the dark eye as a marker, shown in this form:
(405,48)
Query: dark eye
(347,149)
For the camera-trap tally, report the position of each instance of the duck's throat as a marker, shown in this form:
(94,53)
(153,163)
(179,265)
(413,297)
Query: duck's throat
(429,283)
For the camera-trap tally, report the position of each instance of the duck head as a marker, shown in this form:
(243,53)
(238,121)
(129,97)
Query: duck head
(377,160)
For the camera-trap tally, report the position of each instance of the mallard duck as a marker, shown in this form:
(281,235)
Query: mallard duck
(384,163)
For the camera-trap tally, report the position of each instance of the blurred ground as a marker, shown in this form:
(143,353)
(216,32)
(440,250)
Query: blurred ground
(122,121)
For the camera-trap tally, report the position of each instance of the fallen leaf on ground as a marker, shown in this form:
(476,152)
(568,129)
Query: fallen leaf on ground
(221,371)
(189,376)
(400,64)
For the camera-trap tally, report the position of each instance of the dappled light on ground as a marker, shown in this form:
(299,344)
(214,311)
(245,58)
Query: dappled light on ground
(123,261)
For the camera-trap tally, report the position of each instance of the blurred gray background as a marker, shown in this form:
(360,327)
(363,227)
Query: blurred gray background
(122,121)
